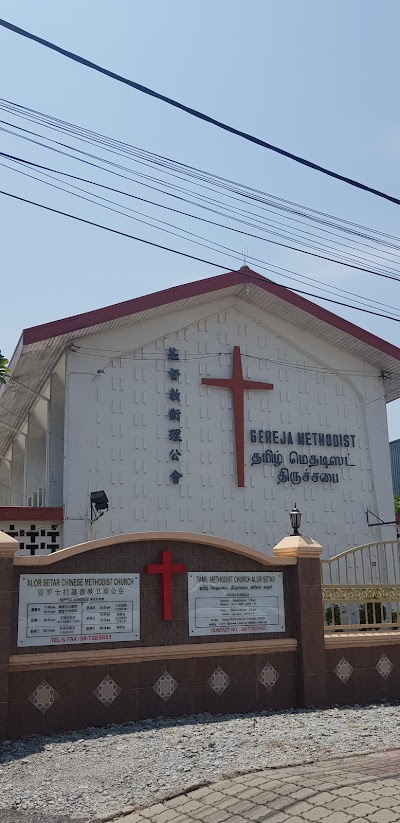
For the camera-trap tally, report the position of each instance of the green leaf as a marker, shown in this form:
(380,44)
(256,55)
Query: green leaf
(4,371)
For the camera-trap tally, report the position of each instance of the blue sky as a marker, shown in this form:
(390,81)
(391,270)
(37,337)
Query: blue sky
(320,79)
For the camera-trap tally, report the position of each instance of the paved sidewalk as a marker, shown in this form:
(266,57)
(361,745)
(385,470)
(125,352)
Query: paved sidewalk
(351,790)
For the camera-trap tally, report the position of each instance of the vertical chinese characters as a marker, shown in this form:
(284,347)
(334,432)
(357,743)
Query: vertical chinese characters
(174,415)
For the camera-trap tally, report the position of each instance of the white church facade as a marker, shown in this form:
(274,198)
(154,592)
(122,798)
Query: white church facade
(209,408)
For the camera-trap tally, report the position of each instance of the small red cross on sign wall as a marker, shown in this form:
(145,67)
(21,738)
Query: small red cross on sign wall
(238,386)
(166,568)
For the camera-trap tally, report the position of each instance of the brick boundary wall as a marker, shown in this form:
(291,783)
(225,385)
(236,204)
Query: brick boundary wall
(167,673)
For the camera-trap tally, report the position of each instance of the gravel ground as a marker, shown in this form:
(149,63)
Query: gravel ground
(97,773)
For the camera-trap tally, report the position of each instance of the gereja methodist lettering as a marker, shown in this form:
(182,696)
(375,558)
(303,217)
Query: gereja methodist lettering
(267,436)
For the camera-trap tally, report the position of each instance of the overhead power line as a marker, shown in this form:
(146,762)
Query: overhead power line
(294,276)
(25,162)
(290,275)
(252,277)
(170,167)
(234,213)
(196,113)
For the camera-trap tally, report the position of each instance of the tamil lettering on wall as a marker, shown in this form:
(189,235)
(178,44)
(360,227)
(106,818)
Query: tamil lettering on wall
(309,462)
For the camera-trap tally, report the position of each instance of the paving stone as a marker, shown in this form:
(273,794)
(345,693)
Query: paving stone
(227,802)
(275,817)
(299,807)
(345,791)
(191,805)
(386,802)
(135,818)
(360,809)
(152,811)
(280,803)
(384,816)
(259,812)
(212,798)
(317,813)
(204,791)
(286,788)
(217,816)
(166,816)
(303,794)
(236,788)
(338,805)
(339,794)
(240,807)
(202,813)
(264,796)
(386,791)
(366,797)
(321,798)
(182,818)
(237,819)
(178,801)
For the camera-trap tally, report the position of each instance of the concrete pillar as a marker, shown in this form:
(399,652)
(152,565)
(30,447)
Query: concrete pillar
(56,442)
(5,482)
(18,472)
(8,547)
(36,444)
(307,617)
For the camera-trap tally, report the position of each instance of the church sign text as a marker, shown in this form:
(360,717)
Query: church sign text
(235,603)
(68,608)
(308,462)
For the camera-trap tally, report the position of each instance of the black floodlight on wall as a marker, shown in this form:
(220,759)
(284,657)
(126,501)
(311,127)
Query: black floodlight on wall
(98,505)
(295,519)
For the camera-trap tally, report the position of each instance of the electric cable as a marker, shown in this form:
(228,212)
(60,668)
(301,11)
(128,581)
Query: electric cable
(313,254)
(180,253)
(270,268)
(43,168)
(196,113)
(150,158)
(321,246)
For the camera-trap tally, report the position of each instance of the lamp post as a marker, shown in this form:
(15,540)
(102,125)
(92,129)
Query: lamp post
(295,519)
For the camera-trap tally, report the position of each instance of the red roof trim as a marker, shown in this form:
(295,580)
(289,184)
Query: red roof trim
(80,322)
(32,513)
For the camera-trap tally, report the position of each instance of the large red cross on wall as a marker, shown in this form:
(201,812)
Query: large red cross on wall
(166,568)
(238,386)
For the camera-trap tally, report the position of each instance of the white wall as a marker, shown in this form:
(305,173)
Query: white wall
(117,431)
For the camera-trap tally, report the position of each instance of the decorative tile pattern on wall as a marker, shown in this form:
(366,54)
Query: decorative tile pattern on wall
(43,696)
(165,686)
(107,691)
(268,676)
(34,538)
(344,670)
(384,666)
(219,680)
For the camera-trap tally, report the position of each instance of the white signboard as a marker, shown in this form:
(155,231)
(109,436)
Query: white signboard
(235,603)
(59,609)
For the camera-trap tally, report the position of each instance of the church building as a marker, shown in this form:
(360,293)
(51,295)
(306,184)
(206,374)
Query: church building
(211,407)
